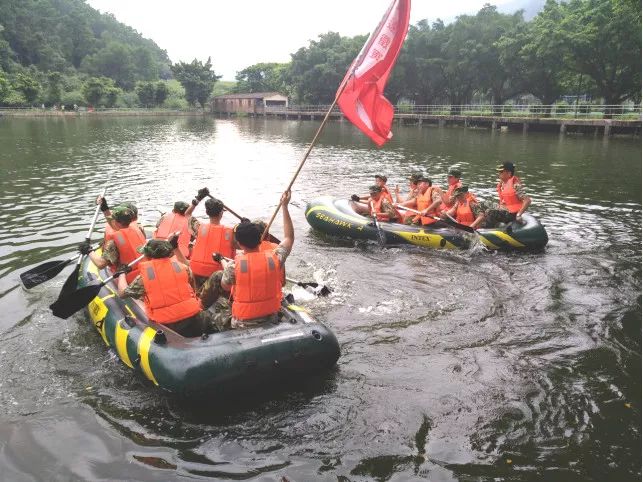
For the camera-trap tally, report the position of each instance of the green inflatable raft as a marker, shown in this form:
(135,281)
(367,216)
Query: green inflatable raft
(295,346)
(336,217)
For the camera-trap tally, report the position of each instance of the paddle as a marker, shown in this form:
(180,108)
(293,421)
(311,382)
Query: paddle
(68,304)
(72,280)
(271,238)
(320,290)
(448,219)
(46,271)
(381,237)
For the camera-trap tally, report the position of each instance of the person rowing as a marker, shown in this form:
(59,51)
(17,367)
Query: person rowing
(427,202)
(454,177)
(378,205)
(380,181)
(181,220)
(512,198)
(466,208)
(121,244)
(407,216)
(110,226)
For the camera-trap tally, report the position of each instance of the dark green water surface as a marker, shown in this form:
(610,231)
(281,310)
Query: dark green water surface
(455,365)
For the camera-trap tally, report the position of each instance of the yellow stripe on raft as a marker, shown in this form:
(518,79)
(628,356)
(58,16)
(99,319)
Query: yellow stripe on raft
(121,344)
(144,343)
(422,238)
(505,237)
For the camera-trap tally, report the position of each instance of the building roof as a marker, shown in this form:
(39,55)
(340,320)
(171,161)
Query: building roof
(254,95)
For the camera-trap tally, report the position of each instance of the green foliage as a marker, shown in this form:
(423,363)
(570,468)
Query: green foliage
(262,77)
(28,86)
(114,61)
(54,88)
(71,98)
(100,91)
(197,79)
(14,98)
(223,87)
(316,71)
(161,93)
(146,92)
(4,86)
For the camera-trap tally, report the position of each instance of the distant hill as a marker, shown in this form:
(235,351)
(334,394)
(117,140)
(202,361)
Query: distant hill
(69,35)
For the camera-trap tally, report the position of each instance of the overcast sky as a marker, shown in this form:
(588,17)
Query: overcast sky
(240,33)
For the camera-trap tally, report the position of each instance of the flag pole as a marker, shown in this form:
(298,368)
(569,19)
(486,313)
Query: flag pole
(310,148)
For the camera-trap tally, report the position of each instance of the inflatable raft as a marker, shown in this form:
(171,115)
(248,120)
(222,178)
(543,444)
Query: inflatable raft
(336,217)
(295,346)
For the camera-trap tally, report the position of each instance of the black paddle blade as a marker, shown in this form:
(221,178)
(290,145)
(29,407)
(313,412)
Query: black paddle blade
(70,283)
(42,273)
(323,291)
(67,305)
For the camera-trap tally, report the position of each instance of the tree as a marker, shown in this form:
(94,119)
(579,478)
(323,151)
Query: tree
(93,90)
(54,87)
(29,86)
(114,61)
(317,70)
(162,91)
(4,86)
(197,79)
(111,93)
(146,92)
(603,38)
(262,77)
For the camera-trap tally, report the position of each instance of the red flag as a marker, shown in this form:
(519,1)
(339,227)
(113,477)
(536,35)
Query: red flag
(362,99)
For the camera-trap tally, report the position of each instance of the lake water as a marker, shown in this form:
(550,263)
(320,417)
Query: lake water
(461,365)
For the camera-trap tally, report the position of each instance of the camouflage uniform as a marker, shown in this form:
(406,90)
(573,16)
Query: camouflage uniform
(496,214)
(436,194)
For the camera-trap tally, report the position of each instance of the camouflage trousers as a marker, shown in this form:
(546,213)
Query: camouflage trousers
(494,214)
(215,300)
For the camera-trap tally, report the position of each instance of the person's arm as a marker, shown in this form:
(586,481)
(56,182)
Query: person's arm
(526,200)
(227,280)
(451,212)
(102,202)
(398,199)
(135,290)
(289,230)
(98,260)
(389,210)
(180,257)
(110,255)
(201,194)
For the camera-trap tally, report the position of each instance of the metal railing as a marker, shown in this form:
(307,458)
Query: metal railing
(565,111)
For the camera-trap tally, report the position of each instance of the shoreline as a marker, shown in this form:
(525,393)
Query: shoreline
(100,113)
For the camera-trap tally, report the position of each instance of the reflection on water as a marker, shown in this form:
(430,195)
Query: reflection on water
(455,365)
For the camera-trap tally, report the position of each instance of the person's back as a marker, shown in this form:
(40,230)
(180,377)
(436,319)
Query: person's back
(211,238)
(176,221)
(255,276)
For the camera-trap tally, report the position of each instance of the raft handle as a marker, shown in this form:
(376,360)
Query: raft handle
(317,335)
(160,338)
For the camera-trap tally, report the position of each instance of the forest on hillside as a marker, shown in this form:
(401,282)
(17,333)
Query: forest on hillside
(64,52)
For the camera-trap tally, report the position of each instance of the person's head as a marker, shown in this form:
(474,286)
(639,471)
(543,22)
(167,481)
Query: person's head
(260,223)
(130,205)
(506,171)
(247,235)
(122,216)
(214,208)
(375,191)
(380,180)
(460,193)
(424,183)
(157,248)
(454,175)
(180,207)
(413,180)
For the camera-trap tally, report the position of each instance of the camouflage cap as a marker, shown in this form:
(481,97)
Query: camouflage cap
(181,207)
(414,177)
(374,188)
(156,248)
(506,166)
(130,205)
(460,190)
(455,172)
(123,214)
(381,176)
(424,178)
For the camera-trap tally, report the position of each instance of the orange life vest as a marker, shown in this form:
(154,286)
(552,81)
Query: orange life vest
(211,238)
(268,246)
(507,195)
(127,240)
(423,201)
(448,194)
(109,230)
(375,207)
(257,286)
(464,213)
(387,193)
(171,223)
(169,296)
